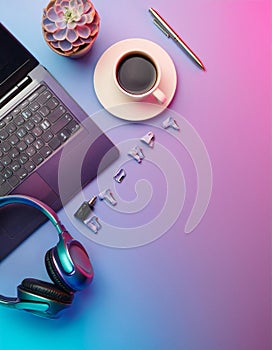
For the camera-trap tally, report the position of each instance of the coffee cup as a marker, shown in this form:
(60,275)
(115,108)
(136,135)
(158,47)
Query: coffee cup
(137,74)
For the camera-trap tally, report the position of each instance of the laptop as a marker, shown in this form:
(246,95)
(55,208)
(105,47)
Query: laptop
(38,119)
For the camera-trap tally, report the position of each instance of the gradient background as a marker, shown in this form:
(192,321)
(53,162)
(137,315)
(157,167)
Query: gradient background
(210,290)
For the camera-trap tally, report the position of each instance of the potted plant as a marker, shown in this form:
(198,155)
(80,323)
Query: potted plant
(70,27)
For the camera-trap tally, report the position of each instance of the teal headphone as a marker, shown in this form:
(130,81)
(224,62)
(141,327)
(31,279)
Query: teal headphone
(68,265)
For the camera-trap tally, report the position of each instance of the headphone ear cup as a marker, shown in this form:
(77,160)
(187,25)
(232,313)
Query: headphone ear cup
(45,290)
(53,272)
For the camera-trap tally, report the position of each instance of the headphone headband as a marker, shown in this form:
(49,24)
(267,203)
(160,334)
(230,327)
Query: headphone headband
(67,264)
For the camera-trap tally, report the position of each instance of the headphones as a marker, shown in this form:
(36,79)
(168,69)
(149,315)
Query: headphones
(67,264)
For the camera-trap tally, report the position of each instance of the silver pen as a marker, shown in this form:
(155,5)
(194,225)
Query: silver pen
(170,33)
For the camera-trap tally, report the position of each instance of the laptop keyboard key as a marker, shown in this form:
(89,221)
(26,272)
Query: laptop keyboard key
(11,128)
(29,166)
(36,118)
(38,144)
(4,134)
(23,105)
(2,179)
(23,158)
(73,126)
(5,146)
(45,151)
(6,160)
(64,135)
(52,103)
(29,139)
(22,173)
(33,97)
(44,111)
(13,153)
(44,97)
(5,188)
(37,131)
(61,123)
(13,140)
(34,106)
(41,89)
(7,173)
(15,111)
(21,146)
(19,120)
(2,124)
(29,125)
(47,136)
(21,132)
(26,114)
(13,181)
(15,166)
(30,151)
(45,124)
(56,114)
(37,159)
(54,143)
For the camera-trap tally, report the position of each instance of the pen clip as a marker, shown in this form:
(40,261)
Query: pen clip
(157,23)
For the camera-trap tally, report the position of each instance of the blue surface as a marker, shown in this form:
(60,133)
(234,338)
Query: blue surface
(211,289)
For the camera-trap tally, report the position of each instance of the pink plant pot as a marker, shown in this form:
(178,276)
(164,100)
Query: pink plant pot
(76,52)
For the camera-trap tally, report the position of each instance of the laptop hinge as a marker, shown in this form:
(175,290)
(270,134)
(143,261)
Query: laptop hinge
(15,91)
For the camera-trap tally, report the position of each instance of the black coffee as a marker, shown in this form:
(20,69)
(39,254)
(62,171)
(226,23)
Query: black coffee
(136,74)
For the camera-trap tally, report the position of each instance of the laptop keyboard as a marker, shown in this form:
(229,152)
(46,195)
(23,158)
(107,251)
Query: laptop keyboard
(30,133)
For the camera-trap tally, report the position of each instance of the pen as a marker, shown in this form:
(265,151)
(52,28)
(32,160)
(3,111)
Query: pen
(170,33)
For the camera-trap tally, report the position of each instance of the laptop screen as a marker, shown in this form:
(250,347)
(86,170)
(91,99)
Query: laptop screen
(15,61)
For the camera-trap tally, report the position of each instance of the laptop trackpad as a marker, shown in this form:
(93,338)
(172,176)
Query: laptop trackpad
(35,186)
(18,221)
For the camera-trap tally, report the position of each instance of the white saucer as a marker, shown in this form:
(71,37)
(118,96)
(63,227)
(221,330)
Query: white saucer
(117,103)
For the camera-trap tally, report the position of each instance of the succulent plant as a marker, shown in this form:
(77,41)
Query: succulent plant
(70,26)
